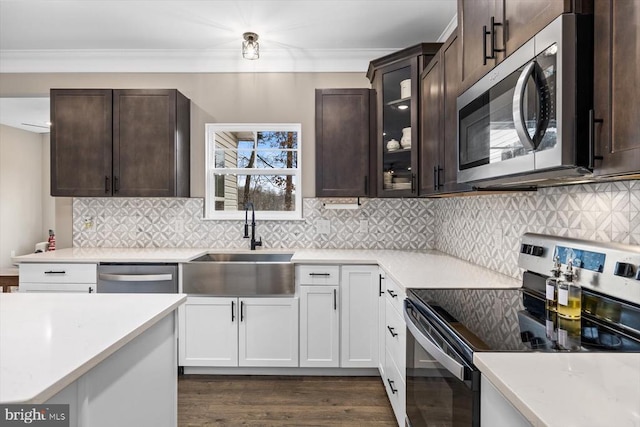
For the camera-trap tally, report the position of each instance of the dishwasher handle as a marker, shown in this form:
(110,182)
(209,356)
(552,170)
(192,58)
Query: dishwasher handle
(136,277)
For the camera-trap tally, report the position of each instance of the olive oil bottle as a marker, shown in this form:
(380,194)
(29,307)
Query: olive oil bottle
(551,286)
(569,295)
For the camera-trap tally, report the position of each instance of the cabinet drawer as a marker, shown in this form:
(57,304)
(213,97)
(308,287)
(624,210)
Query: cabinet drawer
(396,390)
(395,295)
(318,274)
(395,338)
(58,273)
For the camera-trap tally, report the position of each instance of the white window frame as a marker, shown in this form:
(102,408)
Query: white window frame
(211,171)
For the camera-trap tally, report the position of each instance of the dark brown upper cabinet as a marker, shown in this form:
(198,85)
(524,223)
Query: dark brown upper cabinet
(395,79)
(439,88)
(345,123)
(491,30)
(617,93)
(124,143)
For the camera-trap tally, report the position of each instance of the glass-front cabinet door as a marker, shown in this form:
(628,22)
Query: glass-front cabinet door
(395,79)
(397,159)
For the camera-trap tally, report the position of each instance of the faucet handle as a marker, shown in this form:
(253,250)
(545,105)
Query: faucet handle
(246,231)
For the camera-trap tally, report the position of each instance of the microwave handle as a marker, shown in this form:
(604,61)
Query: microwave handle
(533,70)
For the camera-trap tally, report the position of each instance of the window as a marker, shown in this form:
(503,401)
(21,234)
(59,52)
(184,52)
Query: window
(257,163)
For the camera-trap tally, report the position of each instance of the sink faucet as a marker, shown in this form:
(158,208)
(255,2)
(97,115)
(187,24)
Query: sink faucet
(254,243)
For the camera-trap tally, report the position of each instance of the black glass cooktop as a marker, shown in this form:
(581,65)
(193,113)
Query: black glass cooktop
(516,320)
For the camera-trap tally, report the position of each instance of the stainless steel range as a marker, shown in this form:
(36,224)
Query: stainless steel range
(446,326)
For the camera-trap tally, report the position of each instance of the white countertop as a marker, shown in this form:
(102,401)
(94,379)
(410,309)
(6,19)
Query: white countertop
(47,341)
(79,255)
(409,269)
(414,269)
(568,389)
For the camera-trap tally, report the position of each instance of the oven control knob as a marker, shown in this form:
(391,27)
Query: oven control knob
(532,250)
(623,269)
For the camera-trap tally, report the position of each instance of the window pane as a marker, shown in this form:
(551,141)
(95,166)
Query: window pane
(277,139)
(267,192)
(277,159)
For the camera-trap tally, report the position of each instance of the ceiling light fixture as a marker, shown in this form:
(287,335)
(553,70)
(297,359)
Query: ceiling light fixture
(250,46)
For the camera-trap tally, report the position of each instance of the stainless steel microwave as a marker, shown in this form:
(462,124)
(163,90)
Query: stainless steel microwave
(527,122)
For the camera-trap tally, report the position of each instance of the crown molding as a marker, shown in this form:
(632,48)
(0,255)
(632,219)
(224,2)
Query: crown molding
(187,61)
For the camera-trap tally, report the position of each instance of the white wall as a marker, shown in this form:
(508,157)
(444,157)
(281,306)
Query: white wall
(22,201)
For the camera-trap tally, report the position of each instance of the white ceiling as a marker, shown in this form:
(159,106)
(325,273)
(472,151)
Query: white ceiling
(205,36)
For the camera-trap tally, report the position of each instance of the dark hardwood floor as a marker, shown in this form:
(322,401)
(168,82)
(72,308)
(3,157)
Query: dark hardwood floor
(211,400)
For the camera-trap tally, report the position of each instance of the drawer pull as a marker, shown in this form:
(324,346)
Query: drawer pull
(392,331)
(55,272)
(320,274)
(393,294)
(391,383)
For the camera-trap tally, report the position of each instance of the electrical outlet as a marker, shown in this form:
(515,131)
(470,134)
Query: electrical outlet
(178,225)
(364,226)
(323,226)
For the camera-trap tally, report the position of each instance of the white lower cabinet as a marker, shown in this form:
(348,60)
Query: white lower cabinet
(382,308)
(359,317)
(496,410)
(58,277)
(219,332)
(268,332)
(394,345)
(319,327)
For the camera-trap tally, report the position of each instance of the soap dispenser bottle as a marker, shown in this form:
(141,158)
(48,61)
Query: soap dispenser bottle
(551,286)
(569,295)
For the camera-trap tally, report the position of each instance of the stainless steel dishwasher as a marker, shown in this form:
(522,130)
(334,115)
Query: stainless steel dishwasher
(138,278)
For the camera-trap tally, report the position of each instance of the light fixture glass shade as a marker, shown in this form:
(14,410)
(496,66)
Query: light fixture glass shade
(250,46)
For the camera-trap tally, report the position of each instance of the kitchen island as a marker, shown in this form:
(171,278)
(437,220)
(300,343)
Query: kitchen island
(111,357)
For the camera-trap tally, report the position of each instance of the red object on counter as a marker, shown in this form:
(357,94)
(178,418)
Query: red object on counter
(52,241)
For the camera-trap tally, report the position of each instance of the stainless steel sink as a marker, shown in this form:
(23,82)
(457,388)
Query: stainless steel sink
(252,257)
(239,274)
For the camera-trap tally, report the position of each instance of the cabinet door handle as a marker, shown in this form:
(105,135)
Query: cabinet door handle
(485,33)
(391,383)
(494,49)
(392,331)
(491,34)
(380,293)
(320,274)
(233,311)
(393,294)
(107,187)
(592,139)
(90,289)
(116,184)
(242,311)
(413,182)
(335,299)
(366,185)
(435,178)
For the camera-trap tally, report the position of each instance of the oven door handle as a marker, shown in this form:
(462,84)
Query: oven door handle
(455,368)
(534,71)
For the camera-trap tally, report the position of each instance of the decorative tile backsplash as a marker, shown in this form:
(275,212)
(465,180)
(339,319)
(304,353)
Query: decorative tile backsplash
(483,229)
(486,229)
(160,222)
